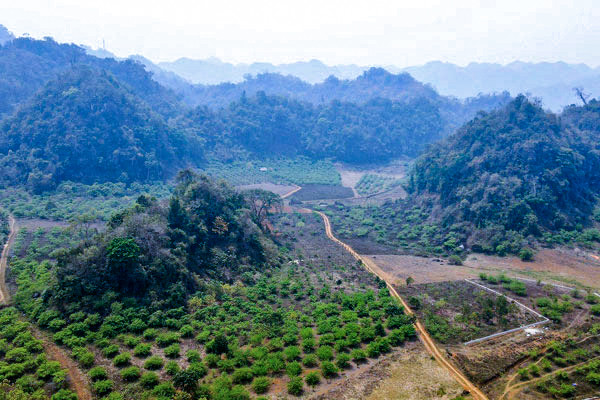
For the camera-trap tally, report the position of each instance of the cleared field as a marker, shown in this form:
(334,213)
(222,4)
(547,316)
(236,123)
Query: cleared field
(322,192)
(271,187)
(421,269)
(561,265)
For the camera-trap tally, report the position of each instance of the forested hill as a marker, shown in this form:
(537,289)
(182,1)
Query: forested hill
(26,65)
(514,172)
(86,126)
(376,82)
(375,132)
(67,115)
(158,254)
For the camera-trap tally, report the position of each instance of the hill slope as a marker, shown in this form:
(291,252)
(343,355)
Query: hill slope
(26,65)
(86,126)
(516,170)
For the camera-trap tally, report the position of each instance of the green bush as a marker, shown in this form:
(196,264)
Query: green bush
(154,363)
(172,368)
(173,350)
(63,394)
(343,360)
(149,379)
(526,254)
(131,374)
(261,385)
(150,334)
(142,350)
(359,355)
(110,351)
(595,309)
(122,360)
(325,353)
(293,369)
(166,339)
(312,379)
(295,386)
(291,353)
(328,369)
(310,360)
(103,387)
(97,373)
(242,375)
(193,356)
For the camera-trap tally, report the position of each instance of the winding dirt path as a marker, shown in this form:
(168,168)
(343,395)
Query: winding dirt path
(422,332)
(77,378)
(4,295)
(513,390)
(291,192)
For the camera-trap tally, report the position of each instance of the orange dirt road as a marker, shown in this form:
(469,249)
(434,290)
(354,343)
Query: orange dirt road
(4,295)
(423,335)
(76,377)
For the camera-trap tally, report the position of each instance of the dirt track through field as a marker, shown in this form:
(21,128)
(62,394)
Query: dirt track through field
(422,332)
(76,378)
(4,295)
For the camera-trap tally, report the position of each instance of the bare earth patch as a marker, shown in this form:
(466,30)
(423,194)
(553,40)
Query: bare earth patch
(561,265)
(421,269)
(271,187)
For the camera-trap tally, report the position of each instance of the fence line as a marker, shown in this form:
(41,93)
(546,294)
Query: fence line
(543,321)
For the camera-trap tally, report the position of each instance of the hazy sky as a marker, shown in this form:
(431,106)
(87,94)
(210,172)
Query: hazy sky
(364,32)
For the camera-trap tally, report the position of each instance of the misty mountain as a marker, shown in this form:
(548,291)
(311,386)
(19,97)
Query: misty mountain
(26,65)
(213,71)
(552,82)
(5,35)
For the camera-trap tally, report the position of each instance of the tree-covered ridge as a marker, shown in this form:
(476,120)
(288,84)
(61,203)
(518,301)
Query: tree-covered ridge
(158,253)
(518,170)
(271,126)
(26,65)
(87,127)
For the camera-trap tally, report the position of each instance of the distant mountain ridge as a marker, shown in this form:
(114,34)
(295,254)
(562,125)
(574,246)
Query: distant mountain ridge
(213,71)
(551,81)
(5,35)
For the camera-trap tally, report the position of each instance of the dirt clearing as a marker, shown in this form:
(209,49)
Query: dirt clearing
(561,265)
(271,187)
(421,269)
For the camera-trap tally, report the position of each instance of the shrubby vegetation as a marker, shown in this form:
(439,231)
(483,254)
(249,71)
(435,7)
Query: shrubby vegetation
(77,202)
(285,321)
(25,370)
(374,183)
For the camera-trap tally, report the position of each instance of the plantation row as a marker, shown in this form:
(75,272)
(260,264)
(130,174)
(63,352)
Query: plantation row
(230,342)
(26,372)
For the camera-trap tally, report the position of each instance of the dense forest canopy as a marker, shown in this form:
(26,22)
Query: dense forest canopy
(159,253)
(72,116)
(86,126)
(518,170)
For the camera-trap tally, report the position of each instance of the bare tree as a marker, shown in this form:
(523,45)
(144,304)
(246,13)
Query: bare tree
(581,94)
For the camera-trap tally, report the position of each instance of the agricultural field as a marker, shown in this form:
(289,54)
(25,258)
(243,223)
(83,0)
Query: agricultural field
(73,200)
(322,192)
(372,229)
(26,370)
(289,331)
(298,171)
(44,240)
(370,184)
